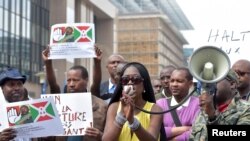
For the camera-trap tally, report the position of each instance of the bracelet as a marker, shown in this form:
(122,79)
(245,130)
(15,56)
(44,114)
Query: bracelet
(135,125)
(120,119)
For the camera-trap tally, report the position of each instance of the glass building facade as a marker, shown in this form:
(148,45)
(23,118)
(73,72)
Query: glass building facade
(24,33)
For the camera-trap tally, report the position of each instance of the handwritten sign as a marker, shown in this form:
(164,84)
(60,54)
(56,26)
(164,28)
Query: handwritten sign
(72,41)
(234,41)
(33,118)
(75,111)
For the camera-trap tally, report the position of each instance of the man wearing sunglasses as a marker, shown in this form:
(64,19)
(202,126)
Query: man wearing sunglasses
(242,68)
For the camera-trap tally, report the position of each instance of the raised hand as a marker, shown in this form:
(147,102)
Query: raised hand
(98,53)
(12,116)
(127,106)
(207,104)
(46,53)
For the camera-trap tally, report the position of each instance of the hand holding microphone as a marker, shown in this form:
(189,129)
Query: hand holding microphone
(127,94)
(128,89)
(127,102)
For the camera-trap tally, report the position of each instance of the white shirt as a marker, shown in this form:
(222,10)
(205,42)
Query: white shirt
(174,102)
(110,84)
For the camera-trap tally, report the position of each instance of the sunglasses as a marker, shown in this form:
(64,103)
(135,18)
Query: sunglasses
(242,73)
(135,80)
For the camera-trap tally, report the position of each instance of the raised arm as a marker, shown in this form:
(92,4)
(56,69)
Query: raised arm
(97,74)
(50,74)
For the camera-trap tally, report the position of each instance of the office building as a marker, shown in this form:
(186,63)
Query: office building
(148,31)
(24,32)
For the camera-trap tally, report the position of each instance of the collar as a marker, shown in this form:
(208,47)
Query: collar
(110,83)
(163,92)
(224,106)
(174,102)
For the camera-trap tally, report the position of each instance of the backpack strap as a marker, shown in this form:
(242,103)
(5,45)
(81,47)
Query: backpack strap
(174,115)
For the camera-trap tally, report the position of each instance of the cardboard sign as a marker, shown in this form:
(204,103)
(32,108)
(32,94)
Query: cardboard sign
(33,118)
(72,41)
(75,111)
(234,41)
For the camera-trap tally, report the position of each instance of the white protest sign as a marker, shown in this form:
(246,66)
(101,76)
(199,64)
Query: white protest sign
(33,118)
(75,110)
(234,41)
(72,41)
(2,98)
(3,117)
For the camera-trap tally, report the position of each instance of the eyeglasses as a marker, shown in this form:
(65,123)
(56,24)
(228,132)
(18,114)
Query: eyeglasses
(135,80)
(242,73)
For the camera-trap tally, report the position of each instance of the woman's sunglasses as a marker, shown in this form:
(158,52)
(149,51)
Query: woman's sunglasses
(135,80)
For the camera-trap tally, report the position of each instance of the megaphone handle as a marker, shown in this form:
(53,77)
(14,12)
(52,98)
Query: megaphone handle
(211,89)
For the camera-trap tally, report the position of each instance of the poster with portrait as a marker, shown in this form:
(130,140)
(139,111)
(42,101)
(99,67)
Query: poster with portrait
(33,118)
(75,111)
(74,40)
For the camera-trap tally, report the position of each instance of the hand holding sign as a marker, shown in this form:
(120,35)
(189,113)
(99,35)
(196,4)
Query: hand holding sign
(12,116)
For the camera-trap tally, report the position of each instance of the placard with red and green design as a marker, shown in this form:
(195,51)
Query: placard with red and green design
(33,118)
(72,41)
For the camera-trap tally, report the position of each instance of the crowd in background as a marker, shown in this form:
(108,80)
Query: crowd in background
(117,111)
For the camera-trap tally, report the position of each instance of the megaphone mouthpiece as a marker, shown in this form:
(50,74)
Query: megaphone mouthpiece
(208,71)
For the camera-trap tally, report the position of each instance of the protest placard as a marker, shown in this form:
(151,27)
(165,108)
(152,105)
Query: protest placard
(74,40)
(31,119)
(75,111)
(235,41)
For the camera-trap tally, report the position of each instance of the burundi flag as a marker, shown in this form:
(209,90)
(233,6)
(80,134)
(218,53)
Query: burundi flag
(83,33)
(42,111)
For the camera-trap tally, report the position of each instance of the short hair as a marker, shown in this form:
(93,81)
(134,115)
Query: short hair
(116,55)
(84,72)
(189,76)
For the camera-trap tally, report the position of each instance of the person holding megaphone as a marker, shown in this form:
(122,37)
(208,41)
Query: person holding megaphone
(227,108)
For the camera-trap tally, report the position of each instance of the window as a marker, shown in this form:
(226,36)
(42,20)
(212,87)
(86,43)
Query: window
(1,18)
(13,6)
